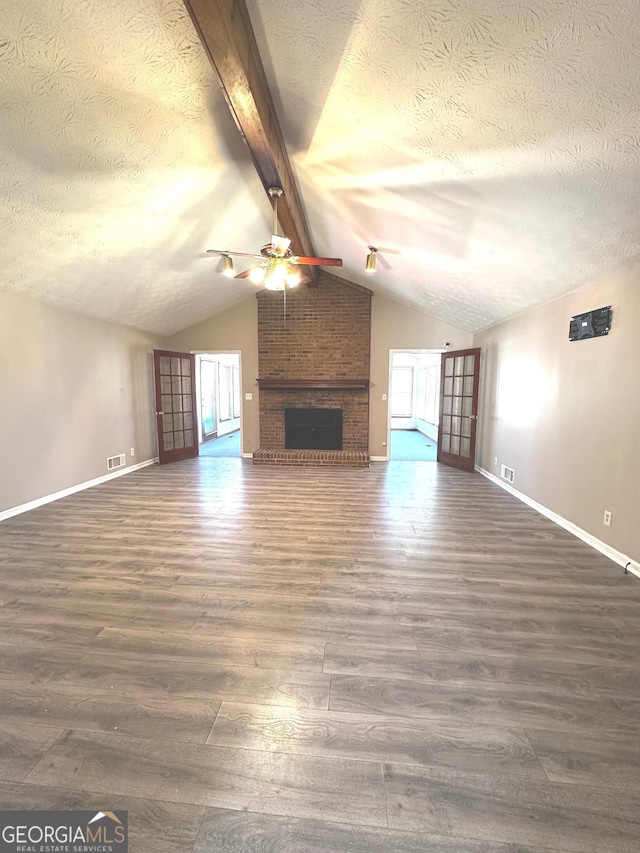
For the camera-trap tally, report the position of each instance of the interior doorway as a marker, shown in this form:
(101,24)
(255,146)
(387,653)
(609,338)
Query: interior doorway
(414,389)
(219,395)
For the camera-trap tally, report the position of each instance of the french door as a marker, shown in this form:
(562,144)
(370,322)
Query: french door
(175,382)
(459,377)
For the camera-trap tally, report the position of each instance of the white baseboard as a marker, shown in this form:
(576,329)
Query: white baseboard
(429,435)
(16,510)
(246,455)
(378,459)
(612,553)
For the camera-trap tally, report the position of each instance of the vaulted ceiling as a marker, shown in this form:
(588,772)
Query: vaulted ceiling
(491,151)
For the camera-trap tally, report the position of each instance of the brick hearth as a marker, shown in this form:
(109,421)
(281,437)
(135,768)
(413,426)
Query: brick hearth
(313,458)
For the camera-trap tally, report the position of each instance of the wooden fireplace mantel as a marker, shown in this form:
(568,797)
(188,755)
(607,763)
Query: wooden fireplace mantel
(320,384)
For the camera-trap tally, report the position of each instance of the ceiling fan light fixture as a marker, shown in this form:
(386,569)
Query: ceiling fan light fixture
(227,266)
(370,265)
(293,278)
(278,267)
(257,275)
(276,277)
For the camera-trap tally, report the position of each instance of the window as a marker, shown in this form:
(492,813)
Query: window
(226,392)
(402,392)
(421,394)
(235,382)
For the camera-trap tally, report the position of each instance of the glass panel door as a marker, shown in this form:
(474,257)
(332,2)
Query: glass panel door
(459,408)
(175,405)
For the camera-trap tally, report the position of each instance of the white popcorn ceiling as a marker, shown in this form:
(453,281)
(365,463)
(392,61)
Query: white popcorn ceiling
(489,148)
(120,164)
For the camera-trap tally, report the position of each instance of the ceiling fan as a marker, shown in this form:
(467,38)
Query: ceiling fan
(278,266)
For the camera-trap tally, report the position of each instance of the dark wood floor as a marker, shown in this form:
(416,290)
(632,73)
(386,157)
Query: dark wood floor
(396,659)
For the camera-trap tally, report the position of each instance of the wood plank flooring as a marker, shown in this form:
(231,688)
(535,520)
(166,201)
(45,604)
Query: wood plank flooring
(401,659)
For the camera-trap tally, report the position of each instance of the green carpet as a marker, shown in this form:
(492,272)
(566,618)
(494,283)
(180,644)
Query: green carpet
(409,445)
(226,445)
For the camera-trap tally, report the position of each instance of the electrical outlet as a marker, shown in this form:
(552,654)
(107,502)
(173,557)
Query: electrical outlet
(607,518)
(248,396)
(384,396)
(133,451)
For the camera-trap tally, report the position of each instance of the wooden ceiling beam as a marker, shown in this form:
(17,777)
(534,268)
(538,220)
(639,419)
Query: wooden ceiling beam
(225,30)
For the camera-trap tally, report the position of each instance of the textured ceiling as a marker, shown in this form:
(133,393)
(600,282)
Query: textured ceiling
(119,163)
(489,148)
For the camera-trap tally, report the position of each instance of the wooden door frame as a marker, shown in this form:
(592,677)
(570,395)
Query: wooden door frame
(392,351)
(198,352)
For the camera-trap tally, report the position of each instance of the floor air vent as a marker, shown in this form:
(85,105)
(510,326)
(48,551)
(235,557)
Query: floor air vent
(115,462)
(507,474)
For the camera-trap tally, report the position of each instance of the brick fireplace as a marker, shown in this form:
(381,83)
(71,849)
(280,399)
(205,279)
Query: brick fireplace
(317,357)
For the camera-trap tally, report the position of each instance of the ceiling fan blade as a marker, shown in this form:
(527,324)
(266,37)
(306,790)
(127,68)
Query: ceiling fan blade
(318,262)
(233,254)
(246,273)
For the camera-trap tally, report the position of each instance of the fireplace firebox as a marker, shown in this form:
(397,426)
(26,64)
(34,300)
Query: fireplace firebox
(313,429)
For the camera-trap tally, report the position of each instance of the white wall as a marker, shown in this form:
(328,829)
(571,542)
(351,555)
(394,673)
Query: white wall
(566,415)
(74,391)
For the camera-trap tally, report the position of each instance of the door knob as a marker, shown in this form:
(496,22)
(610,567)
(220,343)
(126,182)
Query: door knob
(159,413)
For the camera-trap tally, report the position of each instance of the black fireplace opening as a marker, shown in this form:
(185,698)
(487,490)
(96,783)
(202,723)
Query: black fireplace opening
(313,429)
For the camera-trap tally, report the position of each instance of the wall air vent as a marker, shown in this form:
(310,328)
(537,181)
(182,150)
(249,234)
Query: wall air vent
(507,474)
(115,462)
